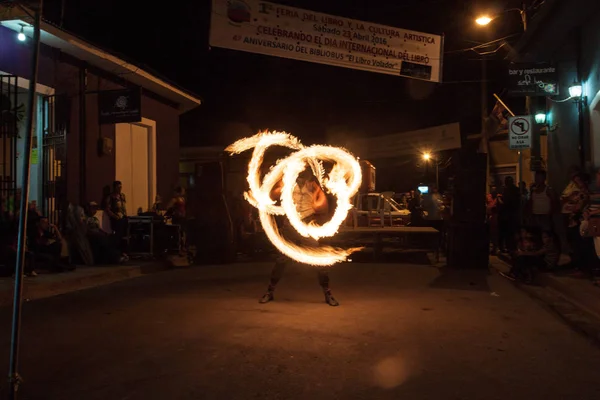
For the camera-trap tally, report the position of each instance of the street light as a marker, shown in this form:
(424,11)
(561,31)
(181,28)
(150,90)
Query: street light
(483,20)
(427,157)
(21,35)
(540,118)
(575,90)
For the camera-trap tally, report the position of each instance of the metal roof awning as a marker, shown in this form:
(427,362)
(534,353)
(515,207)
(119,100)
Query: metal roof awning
(15,18)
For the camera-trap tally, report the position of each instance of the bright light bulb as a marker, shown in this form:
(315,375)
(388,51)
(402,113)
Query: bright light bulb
(21,36)
(575,90)
(540,118)
(483,20)
(426,156)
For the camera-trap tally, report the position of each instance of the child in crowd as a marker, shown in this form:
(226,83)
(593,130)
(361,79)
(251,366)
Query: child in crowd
(533,255)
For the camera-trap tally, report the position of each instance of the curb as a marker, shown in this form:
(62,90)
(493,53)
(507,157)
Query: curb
(590,304)
(580,315)
(74,281)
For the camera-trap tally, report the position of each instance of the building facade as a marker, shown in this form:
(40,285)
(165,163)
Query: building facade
(567,35)
(81,144)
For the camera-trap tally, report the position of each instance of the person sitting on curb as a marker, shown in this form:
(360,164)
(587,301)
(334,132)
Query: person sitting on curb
(103,245)
(46,242)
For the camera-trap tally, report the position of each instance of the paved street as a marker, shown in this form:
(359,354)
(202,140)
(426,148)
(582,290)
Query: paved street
(401,332)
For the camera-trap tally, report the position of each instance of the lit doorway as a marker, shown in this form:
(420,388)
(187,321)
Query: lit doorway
(135,163)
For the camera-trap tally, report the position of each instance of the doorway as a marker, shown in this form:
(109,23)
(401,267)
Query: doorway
(135,163)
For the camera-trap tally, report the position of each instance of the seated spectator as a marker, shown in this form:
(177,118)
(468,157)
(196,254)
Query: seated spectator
(8,254)
(531,255)
(46,242)
(103,245)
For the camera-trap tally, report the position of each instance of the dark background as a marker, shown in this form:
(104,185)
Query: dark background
(243,92)
(307,99)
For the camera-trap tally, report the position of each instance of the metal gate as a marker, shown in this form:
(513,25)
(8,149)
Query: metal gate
(10,113)
(55,124)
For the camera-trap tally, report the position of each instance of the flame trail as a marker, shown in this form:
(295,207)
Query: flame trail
(343,181)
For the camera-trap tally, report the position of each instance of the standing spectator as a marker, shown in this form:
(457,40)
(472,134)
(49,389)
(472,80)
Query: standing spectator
(575,199)
(543,203)
(590,244)
(492,216)
(524,199)
(508,215)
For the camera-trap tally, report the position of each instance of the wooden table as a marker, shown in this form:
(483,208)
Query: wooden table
(399,231)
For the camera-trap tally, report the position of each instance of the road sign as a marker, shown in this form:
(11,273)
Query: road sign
(519,131)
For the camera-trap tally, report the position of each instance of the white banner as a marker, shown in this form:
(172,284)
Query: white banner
(428,140)
(277,30)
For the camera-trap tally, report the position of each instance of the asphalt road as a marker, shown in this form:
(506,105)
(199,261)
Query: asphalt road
(401,332)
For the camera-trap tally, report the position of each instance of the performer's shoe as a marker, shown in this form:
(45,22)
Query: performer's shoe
(329,299)
(267,297)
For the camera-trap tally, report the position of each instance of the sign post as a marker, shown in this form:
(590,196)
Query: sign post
(520,129)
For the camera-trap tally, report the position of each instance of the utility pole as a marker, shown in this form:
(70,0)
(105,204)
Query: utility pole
(535,134)
(484,117)
(63,3)
(13,374)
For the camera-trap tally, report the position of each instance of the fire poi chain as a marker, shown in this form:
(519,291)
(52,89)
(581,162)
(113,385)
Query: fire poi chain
(343,181)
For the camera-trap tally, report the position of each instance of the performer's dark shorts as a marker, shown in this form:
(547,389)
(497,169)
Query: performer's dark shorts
(289,233)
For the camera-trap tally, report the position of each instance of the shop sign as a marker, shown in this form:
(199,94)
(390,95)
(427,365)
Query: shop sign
(120,106)
(532,79)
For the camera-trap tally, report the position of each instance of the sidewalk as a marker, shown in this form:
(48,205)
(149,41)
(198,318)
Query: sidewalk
(581,292)
(576,301)
(84,277)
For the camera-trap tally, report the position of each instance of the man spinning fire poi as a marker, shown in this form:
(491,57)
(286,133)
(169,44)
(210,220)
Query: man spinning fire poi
(298,182)
(312,205)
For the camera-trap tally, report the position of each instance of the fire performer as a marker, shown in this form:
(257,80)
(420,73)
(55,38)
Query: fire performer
(312,205)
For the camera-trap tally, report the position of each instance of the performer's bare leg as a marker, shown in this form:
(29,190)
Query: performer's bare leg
(276,275)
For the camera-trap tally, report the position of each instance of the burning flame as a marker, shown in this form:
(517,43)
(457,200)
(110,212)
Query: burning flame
(343,181)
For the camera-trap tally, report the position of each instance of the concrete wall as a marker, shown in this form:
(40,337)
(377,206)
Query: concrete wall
(590,75)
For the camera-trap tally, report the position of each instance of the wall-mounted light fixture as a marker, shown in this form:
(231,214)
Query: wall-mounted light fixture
(540,118)
(576,90)
(21,36)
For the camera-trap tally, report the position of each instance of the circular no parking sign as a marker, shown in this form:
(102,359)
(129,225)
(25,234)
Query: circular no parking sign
(519,126)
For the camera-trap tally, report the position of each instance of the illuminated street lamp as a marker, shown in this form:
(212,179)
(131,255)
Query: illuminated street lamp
(21,35)
(427,157)
(575,90)
(483,20)
(540,118)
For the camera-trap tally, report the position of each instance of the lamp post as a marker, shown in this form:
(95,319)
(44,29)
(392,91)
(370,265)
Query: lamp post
(576,93)
(484,20)
(427,157)
(13,373)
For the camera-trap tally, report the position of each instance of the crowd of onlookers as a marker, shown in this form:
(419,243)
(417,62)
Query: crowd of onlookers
(542,229)
(82,237)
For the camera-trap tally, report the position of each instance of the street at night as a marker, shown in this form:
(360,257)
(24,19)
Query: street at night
(401,332)
(300,199)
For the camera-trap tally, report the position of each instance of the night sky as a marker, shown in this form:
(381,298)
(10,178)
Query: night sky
(306,99)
